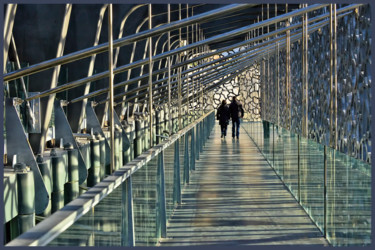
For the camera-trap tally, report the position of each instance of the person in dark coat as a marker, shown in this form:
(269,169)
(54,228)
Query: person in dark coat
(223,117)
(236,112)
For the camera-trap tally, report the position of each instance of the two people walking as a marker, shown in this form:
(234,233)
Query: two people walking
(234,112)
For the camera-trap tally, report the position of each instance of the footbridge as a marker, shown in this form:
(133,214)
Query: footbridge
(111,139)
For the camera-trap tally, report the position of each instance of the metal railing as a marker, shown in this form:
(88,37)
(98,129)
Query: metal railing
(333,188)
(50,228)
(202,78)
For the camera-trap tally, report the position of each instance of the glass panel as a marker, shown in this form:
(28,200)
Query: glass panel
(267,140)
(144,204)
(348,200)
(101,226)
(290,169)
(189,147)
(279,151)
(168,177)
(312,180)
(182,153)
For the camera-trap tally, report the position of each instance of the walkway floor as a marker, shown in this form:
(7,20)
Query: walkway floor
(235,198)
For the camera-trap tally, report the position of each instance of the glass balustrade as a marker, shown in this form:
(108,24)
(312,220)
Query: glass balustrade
(310,170)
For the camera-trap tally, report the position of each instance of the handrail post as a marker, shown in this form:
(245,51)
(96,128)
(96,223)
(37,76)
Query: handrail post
(299,167)
(186,159)
(201,136)
(162,220)
(197,141)
(325,192)
(176,174)
(127,236)
(192,154)
(150,62)
(305,97)
(111,108)
(169,74)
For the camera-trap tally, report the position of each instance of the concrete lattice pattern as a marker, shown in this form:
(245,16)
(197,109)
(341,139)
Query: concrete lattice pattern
(246,87)
(353,86)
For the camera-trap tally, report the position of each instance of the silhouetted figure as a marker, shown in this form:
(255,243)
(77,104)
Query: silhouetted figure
(236,112)
(223,117)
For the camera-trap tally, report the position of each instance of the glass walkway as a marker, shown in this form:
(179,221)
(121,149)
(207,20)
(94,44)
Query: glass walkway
(235,198)
(111,139)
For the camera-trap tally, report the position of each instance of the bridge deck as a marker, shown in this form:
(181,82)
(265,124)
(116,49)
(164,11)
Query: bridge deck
(235,198)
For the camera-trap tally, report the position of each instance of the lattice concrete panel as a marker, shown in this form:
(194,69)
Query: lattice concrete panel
(270,88)
(246,87)
(296,87)
(354,85)
(283,112)
(319,86)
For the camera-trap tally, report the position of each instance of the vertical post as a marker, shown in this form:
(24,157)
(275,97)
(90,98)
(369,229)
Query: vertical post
(197,151)
(335,69)
(275,16)
(287,94)
(333,78)
(169,75)
(176,174)
(298,168)
(187,43)
(201,135)
(179,74)
(331,122)
(277,74)
(161,195)
(273,145)
(333,171)
(268,17)
(304,74)
(258,30)
(111,109)
(128,236)
(278,84)
(268,84)
(186,159)
(196,37)
(192,28)
(262,21)
(150,64)
(192,153)
(325,192)
(263,90)
(254,32)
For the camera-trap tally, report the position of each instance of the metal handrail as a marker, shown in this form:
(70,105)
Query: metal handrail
(51,227)
(125,83)
(173,82)
(123,41)
(294,37)
(176,51)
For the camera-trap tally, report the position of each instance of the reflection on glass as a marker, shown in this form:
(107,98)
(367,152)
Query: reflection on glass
(182,154)
(300,164)
(144,204)
(169,174)
(348,200)
(312,180)
(101,226)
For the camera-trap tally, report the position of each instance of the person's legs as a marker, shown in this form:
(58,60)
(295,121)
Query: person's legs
(233,128)
(225,130)
(222,130)
(238,128)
